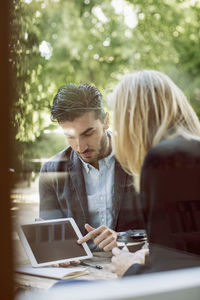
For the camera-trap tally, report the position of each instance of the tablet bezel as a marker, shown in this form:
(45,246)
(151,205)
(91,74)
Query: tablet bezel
(30,253)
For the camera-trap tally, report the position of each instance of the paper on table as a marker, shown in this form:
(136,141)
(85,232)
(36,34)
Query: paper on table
(51,272)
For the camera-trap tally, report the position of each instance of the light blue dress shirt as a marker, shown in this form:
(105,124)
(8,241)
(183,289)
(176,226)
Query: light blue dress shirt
(99,184)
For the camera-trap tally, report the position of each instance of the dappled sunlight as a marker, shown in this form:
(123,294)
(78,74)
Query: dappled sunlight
(45,50)
(22,193)
(128,10)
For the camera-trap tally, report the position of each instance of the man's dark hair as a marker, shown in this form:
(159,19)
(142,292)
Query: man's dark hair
(73,101)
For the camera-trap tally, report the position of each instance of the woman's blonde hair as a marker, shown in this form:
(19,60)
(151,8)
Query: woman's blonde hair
(148,107)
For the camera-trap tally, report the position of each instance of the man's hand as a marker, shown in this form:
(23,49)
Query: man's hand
(67,263)
(123,259)
(104,237)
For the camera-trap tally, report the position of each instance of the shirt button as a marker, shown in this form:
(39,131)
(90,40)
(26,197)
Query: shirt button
(102,219)
(101,198)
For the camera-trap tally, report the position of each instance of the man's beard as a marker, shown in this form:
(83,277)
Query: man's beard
(98,154)
(105,146)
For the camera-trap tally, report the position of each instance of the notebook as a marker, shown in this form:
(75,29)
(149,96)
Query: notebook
(51,272)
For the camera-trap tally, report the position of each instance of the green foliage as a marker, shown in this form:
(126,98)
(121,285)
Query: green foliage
(187,44)
(91,41)
(27,66)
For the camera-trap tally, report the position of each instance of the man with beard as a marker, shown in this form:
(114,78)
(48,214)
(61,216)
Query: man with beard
(84,181)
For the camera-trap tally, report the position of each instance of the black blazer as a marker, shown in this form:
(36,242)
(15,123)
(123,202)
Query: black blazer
(63,194)
(170,196)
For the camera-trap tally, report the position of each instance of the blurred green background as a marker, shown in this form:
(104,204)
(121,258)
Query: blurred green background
(54,42)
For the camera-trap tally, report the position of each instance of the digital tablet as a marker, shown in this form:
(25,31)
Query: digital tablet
(52,241)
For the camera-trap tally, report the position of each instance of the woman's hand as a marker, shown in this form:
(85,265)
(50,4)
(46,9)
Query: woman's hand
(122,260)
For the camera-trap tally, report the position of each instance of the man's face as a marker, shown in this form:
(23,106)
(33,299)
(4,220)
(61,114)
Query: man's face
(86,135)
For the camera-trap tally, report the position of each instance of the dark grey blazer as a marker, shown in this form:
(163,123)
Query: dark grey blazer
(170,196)
(63,194)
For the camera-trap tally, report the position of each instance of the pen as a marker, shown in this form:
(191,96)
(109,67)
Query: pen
(86,263)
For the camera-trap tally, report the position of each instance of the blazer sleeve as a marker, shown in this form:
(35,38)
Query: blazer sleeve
(137,269)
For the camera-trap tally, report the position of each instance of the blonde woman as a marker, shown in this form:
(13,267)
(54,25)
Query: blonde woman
(157,140)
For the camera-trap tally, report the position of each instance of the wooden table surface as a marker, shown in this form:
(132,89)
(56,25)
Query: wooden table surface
(35,282)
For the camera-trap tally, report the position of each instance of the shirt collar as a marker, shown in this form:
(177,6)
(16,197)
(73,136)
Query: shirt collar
(85,165)
(107,160)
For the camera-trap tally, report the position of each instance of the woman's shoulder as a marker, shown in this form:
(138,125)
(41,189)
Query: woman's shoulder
(173,152)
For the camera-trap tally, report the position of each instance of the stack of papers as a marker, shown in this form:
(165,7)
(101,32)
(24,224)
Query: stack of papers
(51,272)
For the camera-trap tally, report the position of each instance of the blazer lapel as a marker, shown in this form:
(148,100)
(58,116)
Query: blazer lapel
(119,185)
(76,175)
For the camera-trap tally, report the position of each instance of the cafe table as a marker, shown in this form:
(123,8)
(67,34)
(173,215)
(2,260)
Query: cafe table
(25,281)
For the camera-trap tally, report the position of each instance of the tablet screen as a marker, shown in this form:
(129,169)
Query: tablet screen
(53,241)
